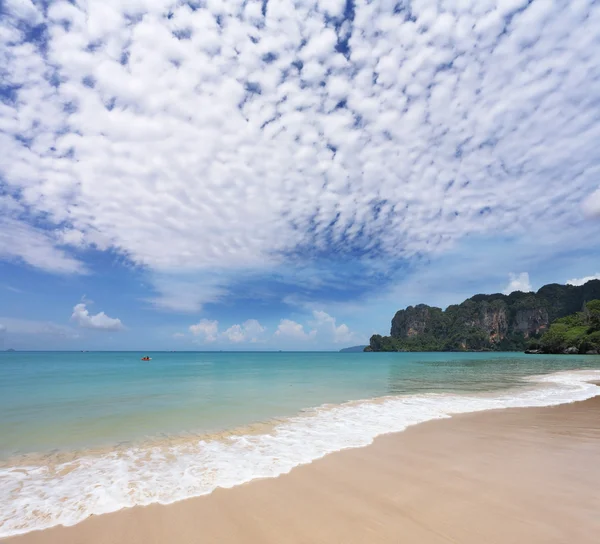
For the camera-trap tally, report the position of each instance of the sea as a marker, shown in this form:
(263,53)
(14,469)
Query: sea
(91,433)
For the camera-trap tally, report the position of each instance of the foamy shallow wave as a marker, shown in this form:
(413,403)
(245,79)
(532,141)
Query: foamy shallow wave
(38,497)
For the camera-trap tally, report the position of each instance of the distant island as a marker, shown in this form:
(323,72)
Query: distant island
(10,349)
(498,322)
(353,349)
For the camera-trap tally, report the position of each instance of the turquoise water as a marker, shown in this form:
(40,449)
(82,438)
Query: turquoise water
(89,433)
(64,401)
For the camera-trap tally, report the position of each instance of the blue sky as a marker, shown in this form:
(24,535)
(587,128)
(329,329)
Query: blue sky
(261,175)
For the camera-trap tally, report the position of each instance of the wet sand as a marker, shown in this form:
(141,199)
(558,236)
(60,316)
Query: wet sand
(520,475)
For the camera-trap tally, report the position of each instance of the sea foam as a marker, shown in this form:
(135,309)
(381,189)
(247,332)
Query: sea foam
(38,496)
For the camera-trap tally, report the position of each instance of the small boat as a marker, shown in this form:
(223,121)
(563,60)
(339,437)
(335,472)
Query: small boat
(146,358)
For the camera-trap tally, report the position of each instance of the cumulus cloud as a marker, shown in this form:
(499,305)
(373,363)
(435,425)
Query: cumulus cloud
(206,330)
(327,326)
(99,321)
(22,9)
(388,129)
(581,281)
(322,327)
(518,282)
(235,334)
(249,331)
(292,330)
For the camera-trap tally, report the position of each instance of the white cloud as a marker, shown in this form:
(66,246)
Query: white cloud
(178,335)
(100,321)
(591,205)
(342,334)
(292,330)
(206,330)
(333,8)
(235,334)
(326,325)
(249,331)
(581,281)
(20,241)
(185,293)
(518,282)
(323,328)
(464,118)
(22,9)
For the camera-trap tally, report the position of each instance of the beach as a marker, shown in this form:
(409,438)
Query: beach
(515,475)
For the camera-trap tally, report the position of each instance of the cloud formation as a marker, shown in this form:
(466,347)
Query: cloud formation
(327,325)
(322,327)
(184,293)
(249,331)
(99,321)
(581,281)
(289,329)
(518,282)
(247,133)
(206,330)
(21,242)
(591,205)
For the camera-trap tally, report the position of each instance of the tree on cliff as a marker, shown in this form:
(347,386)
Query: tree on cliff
(575,333)
(593,311)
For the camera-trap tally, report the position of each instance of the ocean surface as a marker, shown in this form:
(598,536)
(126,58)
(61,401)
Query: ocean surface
(90,433)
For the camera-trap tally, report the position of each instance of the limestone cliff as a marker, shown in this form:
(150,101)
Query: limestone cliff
(484,322)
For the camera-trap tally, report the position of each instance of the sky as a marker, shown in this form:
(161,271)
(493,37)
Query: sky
(286,175)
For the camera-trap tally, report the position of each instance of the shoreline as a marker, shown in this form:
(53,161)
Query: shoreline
(423,460)
(47,494)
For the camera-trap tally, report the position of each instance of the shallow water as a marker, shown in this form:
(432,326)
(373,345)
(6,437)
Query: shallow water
(68,400)
(85,433)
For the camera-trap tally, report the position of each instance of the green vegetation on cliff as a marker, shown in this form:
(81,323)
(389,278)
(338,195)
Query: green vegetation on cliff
(575,333)
(485,322)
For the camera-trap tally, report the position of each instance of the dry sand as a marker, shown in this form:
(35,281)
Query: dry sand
(513,476)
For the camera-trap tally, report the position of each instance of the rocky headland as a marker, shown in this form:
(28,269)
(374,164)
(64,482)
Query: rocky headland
(494,322)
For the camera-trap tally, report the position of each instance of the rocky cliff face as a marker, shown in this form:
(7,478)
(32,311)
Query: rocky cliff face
(532,321)
(417,320)
(496,322)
